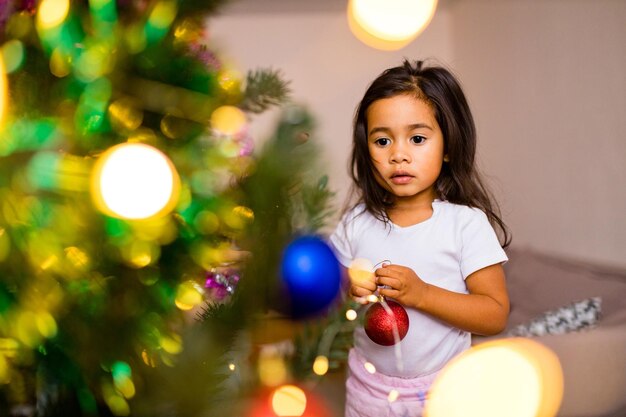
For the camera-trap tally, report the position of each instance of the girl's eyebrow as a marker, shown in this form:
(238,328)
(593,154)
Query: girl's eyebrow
(410,127)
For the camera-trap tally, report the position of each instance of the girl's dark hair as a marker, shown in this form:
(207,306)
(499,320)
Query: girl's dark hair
(459,181)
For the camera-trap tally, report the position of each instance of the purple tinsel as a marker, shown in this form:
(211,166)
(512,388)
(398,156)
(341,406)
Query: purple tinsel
(221,284)
(205,55)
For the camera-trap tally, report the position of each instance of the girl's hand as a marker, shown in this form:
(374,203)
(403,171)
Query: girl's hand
(402,284)
(362,286)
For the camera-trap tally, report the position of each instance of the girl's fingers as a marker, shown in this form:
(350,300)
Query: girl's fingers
(389,292)
(388,271)
(388,281)
(360,291)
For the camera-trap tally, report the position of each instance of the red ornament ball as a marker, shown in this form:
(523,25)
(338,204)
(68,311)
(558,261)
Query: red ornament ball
(379,323)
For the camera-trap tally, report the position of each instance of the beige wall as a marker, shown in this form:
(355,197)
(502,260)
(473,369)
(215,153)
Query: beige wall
(546,81)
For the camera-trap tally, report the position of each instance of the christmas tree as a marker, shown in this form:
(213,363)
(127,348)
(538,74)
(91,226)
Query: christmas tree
(142,237)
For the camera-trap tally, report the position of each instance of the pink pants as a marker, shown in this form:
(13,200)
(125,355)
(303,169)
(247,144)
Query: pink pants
(367,395)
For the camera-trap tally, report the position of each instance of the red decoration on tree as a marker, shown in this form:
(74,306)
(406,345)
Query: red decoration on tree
(380,323)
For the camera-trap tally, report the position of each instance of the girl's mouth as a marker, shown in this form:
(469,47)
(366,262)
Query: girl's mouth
(400,178)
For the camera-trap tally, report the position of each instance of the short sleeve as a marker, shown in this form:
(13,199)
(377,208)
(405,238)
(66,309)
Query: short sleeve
(341,242)
(480,245)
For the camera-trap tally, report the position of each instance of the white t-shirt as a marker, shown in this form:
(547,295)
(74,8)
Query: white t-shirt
(443,251)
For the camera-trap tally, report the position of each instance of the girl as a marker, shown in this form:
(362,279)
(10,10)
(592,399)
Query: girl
(423,209)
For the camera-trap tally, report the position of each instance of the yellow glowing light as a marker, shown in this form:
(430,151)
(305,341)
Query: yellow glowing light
(351,315)
(509,377)
(46,324)
(372,298)
(135,181)
(117,405)
(188,296)
(187,30)
(229,80)
(27,328)
(272,370)
(244,212)
(163,14)
(206,222)
(4,93)
(9,347)
(52,13)
(13,55)
(5,374)
(231,366)
(173,127)
(320,365)
(125,386)
(60,63)
(172,344)
(393,395)
(49,262)
(94,62)
(389,24)
(228,120)
(289,400)
(147,359)
(238,217)
(140,253)
(135,38)
(5,244)
(77,257)
(369,367)
(125,115)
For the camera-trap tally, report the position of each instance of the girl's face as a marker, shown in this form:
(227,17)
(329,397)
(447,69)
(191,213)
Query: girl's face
(406,147)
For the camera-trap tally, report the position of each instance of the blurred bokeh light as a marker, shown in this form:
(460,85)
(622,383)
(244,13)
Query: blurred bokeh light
(52,13)
(508,377)
(288,400)
(389,24)
(135,181)
(228,120)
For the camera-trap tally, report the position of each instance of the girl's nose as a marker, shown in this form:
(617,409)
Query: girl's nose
(399,154)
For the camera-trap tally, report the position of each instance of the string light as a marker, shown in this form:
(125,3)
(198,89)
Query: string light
(289,400)
(389,24)
(227,120)
(393,395)
(135,181)
(189,295)
(52,13)
(320,365)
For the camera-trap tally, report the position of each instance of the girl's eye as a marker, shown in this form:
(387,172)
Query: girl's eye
(418,140)
(382,141)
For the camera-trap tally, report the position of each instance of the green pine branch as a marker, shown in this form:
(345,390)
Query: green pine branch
(264,88)
(331,337)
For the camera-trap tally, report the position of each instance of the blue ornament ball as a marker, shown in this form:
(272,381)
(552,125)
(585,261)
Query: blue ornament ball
(311,275)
